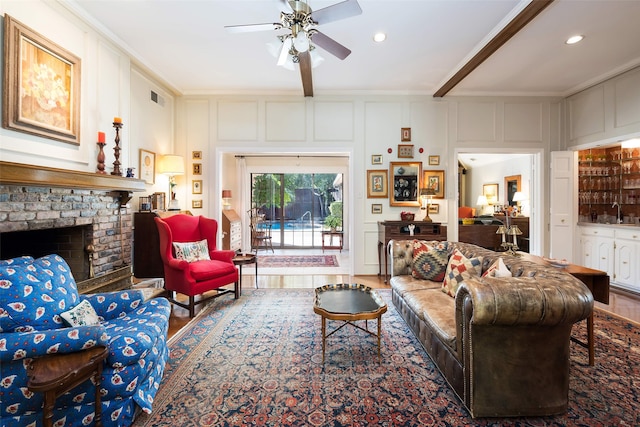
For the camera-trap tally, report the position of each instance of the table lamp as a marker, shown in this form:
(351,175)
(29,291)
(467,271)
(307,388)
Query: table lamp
(425,196)
(482,202)
(172,165)
(226,199)
(519,197)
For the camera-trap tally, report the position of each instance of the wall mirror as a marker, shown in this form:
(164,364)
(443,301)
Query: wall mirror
(405,178)
(511,185)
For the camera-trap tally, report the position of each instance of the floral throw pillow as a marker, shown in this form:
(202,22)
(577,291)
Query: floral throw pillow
(82,314)
(429,262)
(459,269)
(497,269)
(192,251)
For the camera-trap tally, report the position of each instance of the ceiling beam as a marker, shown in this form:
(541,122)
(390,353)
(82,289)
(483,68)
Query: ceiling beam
(510,30)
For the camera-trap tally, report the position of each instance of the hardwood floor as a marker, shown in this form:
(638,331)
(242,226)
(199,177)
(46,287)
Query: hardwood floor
(622,303)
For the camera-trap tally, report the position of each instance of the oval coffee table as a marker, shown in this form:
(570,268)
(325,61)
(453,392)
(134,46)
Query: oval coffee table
(348,303)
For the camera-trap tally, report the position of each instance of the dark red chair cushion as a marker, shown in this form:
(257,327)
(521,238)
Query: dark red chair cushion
(206,270)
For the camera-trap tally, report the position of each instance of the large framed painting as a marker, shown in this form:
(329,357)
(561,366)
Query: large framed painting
(405,179)
(41,85)
(435,181)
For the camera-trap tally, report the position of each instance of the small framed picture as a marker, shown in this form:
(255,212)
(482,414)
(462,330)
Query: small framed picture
(196,204)
(377,186)
(405,151)
(196,155)
(376,159)
(405,134)
(376,208)
(196,186)
(434,160)
(434,208)
(148,166)
(197,168)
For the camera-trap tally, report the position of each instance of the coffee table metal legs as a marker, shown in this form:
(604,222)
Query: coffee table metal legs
(350,322)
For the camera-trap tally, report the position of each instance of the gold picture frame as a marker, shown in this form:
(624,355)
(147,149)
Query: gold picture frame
(405,134)
(377,186)
(196,155)
(405,151)
(376,208)
(434,208)
(196,204)
(196,186)
(197,168)
(490,191)
(404,177)
(434,160)
(41,85)
(148,166)
(434,180)
(376,159)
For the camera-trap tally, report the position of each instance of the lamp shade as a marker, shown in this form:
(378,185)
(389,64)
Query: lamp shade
(427,191)
(482,201)
(518,196)
(226,194)
(171,164)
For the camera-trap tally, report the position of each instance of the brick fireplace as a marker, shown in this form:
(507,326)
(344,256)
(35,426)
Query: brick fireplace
(81,216)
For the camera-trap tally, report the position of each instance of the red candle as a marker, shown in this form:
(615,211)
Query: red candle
(100,136)
(117,120)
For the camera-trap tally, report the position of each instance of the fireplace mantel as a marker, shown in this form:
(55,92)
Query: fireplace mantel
(23,174)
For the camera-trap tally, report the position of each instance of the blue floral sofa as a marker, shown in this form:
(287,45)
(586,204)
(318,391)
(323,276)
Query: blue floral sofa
(34,294)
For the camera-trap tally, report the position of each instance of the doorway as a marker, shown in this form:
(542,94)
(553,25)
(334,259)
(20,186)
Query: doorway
(297,206)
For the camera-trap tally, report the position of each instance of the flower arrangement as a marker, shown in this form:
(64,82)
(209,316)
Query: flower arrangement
(407,216)
(43,84)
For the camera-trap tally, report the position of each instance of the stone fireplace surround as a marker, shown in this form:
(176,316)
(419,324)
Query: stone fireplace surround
(82,216)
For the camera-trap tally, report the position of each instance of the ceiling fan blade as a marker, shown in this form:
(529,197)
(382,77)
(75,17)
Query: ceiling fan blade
(345,9)
(330,45)
(252,27)
(305,72)
(284,52)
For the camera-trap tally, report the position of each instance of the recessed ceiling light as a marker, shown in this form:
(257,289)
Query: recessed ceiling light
(574,39)
(379,37)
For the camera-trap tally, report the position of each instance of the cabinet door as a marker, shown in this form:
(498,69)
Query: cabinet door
(589,254)
(604,250)
(562,204)
(626,256)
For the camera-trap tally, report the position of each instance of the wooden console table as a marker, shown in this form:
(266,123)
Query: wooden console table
(399,230)
(598,283)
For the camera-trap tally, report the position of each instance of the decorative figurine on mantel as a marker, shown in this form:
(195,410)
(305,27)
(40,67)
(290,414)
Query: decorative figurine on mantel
(117,124)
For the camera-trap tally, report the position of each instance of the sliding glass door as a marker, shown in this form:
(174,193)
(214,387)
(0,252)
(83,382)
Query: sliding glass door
(296,206)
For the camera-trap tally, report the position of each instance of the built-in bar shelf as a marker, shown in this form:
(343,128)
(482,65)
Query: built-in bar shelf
(23,174)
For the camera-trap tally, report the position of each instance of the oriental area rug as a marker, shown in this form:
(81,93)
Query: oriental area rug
(285,261)
(257,361)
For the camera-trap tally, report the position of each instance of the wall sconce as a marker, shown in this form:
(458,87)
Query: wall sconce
(172,165)
(482,202)
(226,199)
(425,196)
(519,197)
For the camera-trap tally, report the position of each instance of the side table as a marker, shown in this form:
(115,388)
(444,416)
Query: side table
(331,235)
(244,259)
(56,374)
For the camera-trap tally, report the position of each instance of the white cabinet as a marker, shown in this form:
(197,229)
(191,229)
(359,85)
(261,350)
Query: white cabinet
(615,250)
(597,248)
(627,258)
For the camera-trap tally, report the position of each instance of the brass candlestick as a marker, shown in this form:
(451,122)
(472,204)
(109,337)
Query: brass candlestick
(116,165)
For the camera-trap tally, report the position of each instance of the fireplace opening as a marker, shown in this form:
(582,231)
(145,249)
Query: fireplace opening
(68,242)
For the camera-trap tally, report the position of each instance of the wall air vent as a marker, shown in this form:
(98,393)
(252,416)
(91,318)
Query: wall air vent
(157,99)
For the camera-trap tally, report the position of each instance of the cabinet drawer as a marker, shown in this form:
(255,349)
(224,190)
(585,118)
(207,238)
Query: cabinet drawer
(597,231)
(630,234)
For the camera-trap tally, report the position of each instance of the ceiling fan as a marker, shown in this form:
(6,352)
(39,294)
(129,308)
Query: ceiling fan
(302,35)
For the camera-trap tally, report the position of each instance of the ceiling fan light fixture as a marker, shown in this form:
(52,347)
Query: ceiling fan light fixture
(574,39)
(379,37)
(301,41)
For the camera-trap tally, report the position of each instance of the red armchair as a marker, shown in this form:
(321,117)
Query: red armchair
(196,277)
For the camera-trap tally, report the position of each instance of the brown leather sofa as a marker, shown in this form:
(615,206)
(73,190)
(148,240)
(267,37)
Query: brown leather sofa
(502,344)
